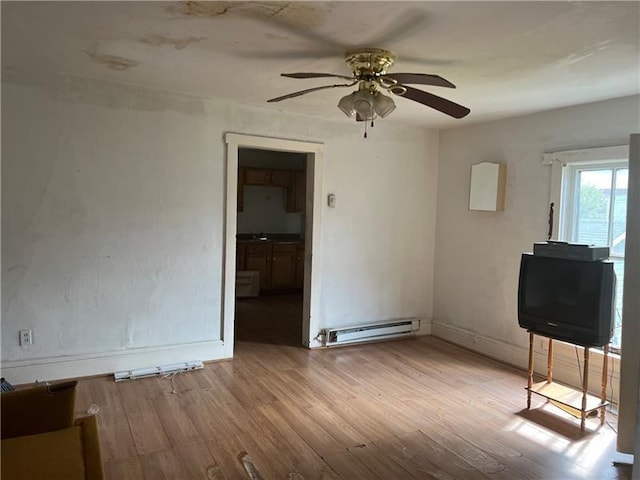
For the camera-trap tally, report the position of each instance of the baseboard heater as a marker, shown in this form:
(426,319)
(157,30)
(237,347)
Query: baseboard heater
(174,368)
(371,332)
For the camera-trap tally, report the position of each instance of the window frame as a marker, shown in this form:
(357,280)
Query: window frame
(564,168)
(560,160)
(567,207)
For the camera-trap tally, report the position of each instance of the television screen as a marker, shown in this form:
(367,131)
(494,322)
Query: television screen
(570,300)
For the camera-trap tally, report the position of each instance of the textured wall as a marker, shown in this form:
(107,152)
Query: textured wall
(109,238)
(112,218)
(478,253)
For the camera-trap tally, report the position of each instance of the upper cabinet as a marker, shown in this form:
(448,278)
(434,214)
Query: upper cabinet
(281,178)
(293,181)
(297,194)
(268,177)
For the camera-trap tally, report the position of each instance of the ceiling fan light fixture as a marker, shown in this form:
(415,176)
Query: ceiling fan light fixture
(383,105)
(362,118)
(369,67)
(363,103)
(346,105)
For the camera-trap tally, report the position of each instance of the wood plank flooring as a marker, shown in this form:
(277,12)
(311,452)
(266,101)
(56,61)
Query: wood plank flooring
(411,409)
(275,319)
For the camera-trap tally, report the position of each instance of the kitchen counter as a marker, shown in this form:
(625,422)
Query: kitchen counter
(247,238)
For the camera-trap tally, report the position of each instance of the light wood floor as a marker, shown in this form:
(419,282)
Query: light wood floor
(411,409)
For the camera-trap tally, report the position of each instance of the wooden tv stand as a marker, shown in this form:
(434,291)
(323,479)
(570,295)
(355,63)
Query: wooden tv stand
(578,403)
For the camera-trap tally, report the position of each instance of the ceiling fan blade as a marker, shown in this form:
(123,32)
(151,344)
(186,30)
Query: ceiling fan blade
(402,27)
(420,79)
(313,75)
(442,104)
(309,90)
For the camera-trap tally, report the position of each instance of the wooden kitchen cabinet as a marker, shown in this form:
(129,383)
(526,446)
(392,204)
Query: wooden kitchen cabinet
(268,177)
(256,176)
(294,181)
(241,254)
(297,194)
(283,266)
(258,257)
(280,265)
(281,178)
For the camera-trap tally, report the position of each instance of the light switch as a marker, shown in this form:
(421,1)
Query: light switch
(331,200)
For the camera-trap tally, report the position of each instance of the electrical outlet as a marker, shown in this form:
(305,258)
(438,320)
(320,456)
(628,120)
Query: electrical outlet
(26,338)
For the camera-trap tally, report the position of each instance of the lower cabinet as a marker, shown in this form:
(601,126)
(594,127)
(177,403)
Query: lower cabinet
(283,266)
(279,264)
(258,257)
(241,256)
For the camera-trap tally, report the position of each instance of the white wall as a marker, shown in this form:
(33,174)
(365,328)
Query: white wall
(112,218)
(478,253)
(378,242)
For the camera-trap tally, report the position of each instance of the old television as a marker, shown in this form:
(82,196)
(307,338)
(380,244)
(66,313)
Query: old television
(565,299)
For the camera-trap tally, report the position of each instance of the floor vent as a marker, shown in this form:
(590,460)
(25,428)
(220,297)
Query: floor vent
(371,332)
(162,370)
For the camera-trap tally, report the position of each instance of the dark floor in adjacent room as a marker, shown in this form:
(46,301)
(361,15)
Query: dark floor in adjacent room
(274,319)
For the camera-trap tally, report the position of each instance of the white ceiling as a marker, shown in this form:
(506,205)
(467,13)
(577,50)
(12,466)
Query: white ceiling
(506,58)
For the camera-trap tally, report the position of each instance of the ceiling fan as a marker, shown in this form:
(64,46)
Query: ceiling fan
(369,67)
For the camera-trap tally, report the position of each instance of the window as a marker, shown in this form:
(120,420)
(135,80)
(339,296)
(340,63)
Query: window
(592,207)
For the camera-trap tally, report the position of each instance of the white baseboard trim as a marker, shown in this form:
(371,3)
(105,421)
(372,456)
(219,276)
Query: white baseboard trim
(425,327)
(565,366)
(74,366)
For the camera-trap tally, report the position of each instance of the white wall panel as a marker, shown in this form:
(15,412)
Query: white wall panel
(112,220)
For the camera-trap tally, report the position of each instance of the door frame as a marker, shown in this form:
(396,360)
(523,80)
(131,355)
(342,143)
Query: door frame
(312,250)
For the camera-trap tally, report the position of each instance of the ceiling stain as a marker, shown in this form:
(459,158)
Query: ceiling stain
(112,61)
(275,36)
(301,14)
(295,14)
(199,9)
(178,43)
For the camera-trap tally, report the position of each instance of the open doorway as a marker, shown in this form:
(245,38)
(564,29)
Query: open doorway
(270,243)
(276,298)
